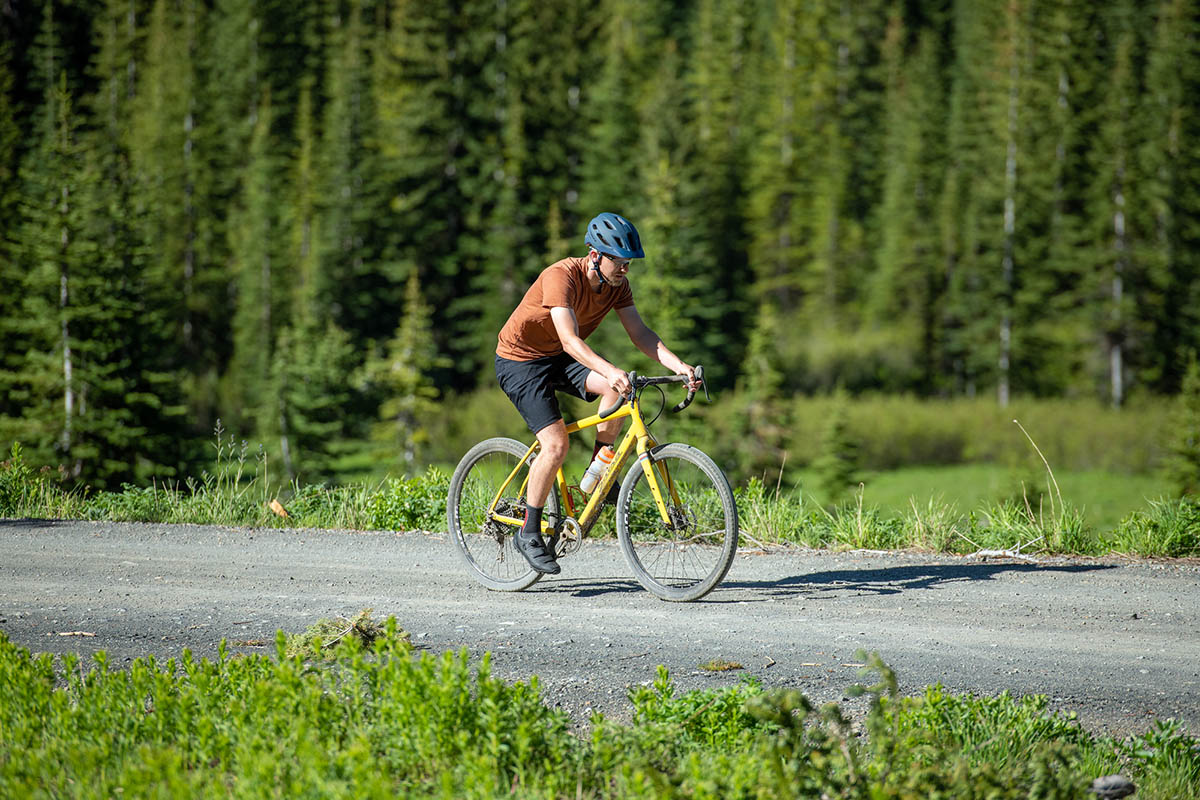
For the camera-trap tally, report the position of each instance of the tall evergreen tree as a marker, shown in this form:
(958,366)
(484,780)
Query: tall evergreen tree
(438,132)
(978,204)
(160,146)
(358,283)
(261,303)
(10,195)
(1170,165)
(402,374)
(906,291)
(1118,275)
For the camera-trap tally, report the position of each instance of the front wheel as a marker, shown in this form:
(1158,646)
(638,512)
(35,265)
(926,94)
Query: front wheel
(685,557)
(485,545)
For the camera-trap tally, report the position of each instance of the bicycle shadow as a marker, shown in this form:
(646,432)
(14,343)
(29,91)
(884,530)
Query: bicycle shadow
(587,587)
(830,584)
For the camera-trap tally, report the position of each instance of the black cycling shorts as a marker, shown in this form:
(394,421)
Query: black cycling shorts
(531,386)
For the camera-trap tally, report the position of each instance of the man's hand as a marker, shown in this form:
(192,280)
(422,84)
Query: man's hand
(618,379)
(686,369)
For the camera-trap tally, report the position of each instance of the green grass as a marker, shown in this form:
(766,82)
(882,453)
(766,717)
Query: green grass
(386,723)
(1104,498)
(988,509)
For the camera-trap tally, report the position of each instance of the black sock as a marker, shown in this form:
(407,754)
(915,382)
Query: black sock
(598,447)
(533,520)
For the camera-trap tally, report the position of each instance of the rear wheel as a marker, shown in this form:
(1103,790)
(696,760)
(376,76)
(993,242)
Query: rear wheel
(485,545)
(686,557)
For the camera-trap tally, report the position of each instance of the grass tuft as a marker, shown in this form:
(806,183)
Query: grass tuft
(329,638)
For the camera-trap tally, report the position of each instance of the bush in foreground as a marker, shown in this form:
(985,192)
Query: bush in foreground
(390,724)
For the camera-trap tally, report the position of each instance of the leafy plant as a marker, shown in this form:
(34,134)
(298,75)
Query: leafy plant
(417,503)
(1169,529)
(1183,462)
(17,482)
(838,464)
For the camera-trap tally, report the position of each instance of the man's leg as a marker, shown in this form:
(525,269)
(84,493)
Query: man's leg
(542,472)
(553,438)
(606,432)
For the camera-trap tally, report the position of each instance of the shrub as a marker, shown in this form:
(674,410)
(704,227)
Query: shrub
(17,482)
(1183,462)
(417,503)
(1169,529)
(837,465)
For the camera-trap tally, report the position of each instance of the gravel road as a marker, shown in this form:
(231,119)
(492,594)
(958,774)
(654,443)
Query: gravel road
(1116,641)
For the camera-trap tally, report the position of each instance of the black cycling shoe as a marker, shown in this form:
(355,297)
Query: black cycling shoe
(540,557)
(611,497)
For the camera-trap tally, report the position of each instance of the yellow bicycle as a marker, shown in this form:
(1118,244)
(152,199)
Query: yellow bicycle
(676,517)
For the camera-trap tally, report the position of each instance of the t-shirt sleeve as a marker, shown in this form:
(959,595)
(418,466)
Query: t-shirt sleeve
(556,288)
(626,298)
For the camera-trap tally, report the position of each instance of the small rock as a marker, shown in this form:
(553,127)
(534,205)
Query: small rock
(1112,786)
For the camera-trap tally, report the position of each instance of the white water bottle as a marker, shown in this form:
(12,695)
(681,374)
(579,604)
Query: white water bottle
(599,464)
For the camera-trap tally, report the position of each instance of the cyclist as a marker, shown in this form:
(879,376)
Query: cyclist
(541,351)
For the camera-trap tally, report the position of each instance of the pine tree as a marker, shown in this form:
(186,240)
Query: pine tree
(438,132)
(40,375)
(1117,277)
(976,223)
(309,393)
(1171,210)
(131,420)
(906,292)
(10,195)
(1183,463)
(787,160)
(837,466)
(359,284)
(402,374)
(258,275)
(161,149)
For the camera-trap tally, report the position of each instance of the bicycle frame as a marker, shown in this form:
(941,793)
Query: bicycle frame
(637,438)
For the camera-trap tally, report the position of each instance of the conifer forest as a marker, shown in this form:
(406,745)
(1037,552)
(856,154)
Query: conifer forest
(310,218)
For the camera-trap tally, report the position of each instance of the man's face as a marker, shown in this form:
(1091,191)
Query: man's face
(614,269)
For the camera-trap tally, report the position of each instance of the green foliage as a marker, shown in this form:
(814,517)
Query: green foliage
(1169,528)
(372,728)
(329,639)
(1183,462)
(703,718)
(417,503)
(837,465)
(16,481)
(956,200)
(380,722)
(402,375)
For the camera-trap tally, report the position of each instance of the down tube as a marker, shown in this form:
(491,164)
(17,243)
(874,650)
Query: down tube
(648,467)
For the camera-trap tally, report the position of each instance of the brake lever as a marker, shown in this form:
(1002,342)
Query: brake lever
(604,412)
(687,401)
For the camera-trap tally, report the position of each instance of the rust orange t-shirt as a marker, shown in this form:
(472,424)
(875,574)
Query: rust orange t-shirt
(529,332)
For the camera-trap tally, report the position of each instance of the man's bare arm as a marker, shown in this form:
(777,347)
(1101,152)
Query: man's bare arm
(567,326)
(652,345)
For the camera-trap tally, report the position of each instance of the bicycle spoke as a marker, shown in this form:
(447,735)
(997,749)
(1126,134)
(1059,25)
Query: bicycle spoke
(685,557)
(485,543)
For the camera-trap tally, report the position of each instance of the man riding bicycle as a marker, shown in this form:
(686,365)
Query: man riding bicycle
(541,351)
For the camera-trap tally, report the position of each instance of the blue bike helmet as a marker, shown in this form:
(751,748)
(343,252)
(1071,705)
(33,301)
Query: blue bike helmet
(613,235)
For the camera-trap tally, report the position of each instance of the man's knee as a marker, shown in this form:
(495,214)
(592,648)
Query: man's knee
(554,443)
